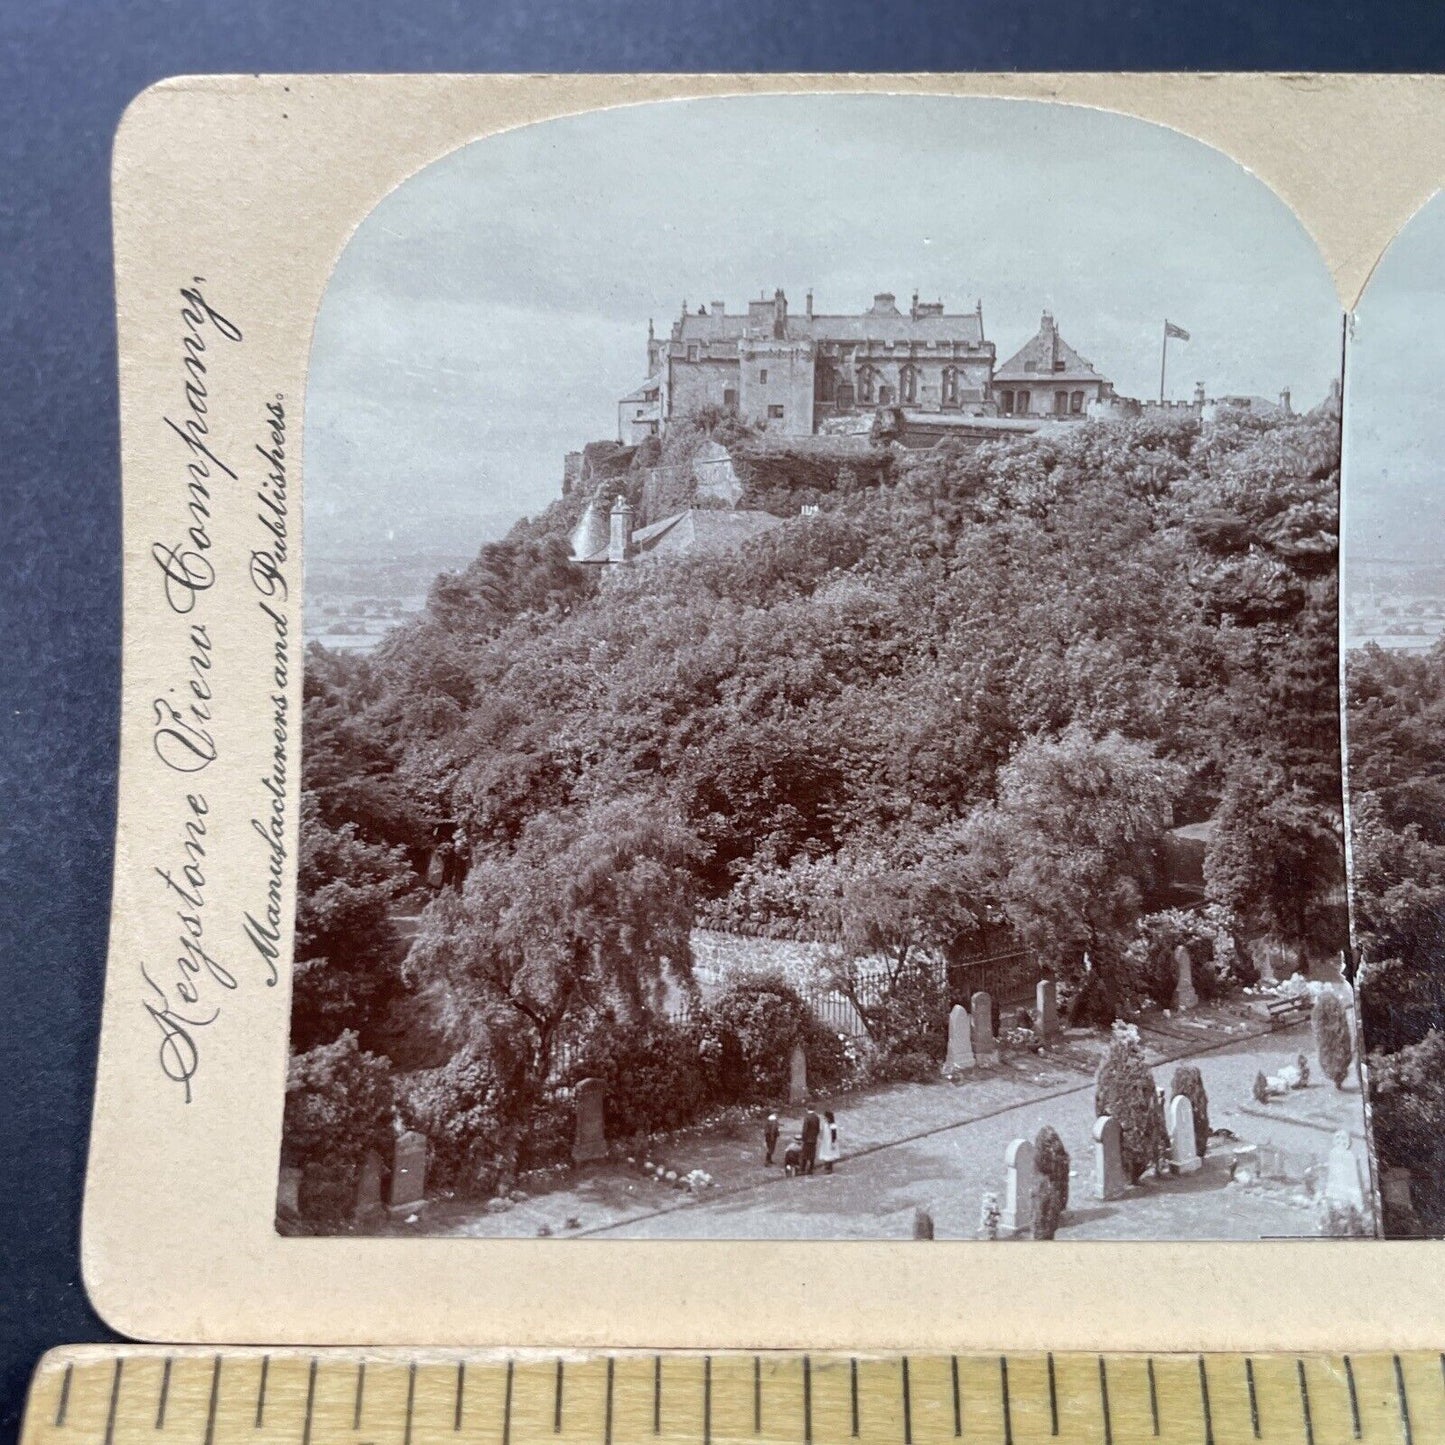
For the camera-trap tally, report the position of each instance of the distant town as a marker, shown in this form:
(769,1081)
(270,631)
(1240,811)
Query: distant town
(1397,603)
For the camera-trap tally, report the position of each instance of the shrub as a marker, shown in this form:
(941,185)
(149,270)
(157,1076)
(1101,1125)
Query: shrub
(461,1109)
(338,1106)
(1048,1208)
(1051,1160)
(749,1030)
(656,1074)
(912,1017)
(1189,1081)
(1333,1045)
(1124,1089)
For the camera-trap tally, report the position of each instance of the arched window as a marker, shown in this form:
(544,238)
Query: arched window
(1076,403)
(867,385)
(1006,402)
(908,385)
(950,386)
(1021,402)
(1061,403)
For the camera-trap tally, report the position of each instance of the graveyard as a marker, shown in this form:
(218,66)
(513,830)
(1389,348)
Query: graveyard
(942,1147)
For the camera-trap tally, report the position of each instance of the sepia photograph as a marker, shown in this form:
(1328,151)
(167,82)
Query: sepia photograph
(822,712)
(1393,591)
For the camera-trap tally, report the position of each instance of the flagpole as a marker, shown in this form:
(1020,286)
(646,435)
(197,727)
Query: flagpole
(1163,359)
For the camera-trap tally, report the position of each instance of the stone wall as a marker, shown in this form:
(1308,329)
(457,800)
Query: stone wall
(718,956)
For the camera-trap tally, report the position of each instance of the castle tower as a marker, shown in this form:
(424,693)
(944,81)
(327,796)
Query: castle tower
(619,541)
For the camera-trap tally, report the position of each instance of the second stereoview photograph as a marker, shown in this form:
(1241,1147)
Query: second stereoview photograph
(822,695)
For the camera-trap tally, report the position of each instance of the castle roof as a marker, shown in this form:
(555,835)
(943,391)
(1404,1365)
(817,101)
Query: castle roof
(685,534)
(878,323)
(702,529)
(590,534)
(1047,356)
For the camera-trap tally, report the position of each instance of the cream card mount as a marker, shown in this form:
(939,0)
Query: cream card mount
(351,1090)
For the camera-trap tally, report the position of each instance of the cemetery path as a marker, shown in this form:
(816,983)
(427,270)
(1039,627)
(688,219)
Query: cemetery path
(907,1147)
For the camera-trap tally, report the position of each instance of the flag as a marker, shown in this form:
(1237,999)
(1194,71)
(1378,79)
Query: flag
(1177,332)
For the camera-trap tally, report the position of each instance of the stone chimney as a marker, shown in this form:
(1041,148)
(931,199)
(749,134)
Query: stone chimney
(913,310)
(1198,393)
(780,314)
(1050,333)
(809,304)
(619,541)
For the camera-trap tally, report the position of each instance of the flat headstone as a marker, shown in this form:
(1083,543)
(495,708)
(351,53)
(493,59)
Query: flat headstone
(1183,1152)
(1184,995)
(590,1140)
(1046,1008)
(960,1040)
(408,1172)
(1018,1201)
(798,1076)
(981,1012)
(368,1190)
(1344,1183)
(1108,1158)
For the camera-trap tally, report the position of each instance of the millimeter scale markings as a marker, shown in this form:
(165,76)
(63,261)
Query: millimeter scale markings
(125,1395)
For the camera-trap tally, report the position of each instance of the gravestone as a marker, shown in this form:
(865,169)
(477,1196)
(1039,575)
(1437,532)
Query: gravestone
(981,1012)
(1046,1008)
(408,1174)
(798,1076)
(1018,1197)
(1343,1182)
(1182,1148)
(288,1194)
(960,1040)
(1184,995)
(922,1224)
(589,1141)
(1108,1158)
(1246,1164)
(1272,1163)
(368,1190)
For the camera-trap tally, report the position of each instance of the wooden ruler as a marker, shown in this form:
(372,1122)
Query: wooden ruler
(126,1395)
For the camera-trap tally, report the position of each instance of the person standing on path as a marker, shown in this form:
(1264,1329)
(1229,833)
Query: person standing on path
(770,1137)
(812,1127)
(828,1152)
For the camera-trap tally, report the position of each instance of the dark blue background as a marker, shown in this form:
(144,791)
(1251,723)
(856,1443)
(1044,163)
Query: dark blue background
(66,73)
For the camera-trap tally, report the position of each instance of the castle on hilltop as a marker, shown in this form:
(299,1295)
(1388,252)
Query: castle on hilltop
(797,375)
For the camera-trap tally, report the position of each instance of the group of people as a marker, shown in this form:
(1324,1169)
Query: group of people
(816,1143)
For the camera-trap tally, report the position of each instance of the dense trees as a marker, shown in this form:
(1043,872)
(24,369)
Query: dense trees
(1396,720)
(967,692)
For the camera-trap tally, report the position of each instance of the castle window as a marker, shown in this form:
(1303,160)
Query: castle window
(1061,366)
(730,397)
(775,413)
(1061,403)
(1006,402)
(692,351)
(763,375)
(950,386)
(908,385)
(1021,402)
(1076,402)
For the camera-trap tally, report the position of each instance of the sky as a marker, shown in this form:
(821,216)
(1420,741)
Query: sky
(1394,423)
(488,313)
